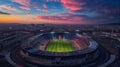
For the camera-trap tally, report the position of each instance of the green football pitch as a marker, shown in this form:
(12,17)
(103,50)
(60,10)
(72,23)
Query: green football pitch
(60,46)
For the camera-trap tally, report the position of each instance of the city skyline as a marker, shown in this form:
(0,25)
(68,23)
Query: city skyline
(60,11)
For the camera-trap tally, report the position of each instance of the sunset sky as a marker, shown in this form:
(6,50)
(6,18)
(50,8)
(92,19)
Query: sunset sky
(60,11)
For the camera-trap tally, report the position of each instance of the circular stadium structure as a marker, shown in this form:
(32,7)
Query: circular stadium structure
(59,49)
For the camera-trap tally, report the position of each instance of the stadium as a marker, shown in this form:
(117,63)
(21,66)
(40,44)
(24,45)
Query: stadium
(59,49)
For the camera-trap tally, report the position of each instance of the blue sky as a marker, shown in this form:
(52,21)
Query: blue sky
(60,11)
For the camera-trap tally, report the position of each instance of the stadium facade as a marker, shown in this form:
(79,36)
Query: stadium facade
(39,50)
